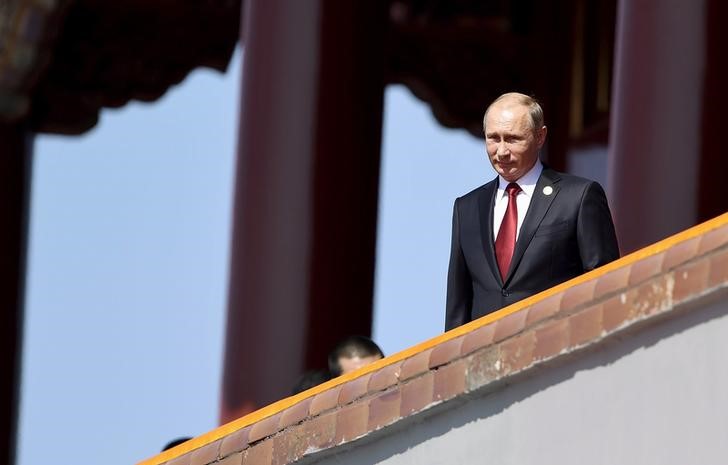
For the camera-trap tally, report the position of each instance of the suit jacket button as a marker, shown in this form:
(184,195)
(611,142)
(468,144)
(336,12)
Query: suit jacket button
(505,293)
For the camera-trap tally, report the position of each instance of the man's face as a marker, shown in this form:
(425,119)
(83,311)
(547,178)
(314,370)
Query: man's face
(350,364)
(512,144)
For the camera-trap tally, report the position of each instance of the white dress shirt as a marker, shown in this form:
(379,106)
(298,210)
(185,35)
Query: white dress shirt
(527,183)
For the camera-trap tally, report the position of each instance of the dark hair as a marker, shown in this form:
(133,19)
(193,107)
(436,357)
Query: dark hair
(310,379)
(175,442)
(352,346)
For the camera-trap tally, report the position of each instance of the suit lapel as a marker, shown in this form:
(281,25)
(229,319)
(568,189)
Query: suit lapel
(486,201)
(537,209)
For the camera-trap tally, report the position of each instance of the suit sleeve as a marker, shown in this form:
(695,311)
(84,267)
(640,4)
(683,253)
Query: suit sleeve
(595,229)
(459,282)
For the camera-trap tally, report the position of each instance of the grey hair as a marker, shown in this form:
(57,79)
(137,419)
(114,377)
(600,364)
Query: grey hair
(534,107)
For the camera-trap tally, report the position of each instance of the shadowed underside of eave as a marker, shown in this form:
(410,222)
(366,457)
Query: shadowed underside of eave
(62,61)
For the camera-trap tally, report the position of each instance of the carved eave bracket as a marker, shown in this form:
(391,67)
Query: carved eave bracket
(459,55)
(105,54)
(447,67)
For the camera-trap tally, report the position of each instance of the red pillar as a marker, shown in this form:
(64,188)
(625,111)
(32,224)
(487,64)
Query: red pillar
(665,91)
(15,156)
(304,233)
(712,200)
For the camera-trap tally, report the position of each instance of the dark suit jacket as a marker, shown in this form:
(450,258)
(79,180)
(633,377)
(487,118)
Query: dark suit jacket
(563,235)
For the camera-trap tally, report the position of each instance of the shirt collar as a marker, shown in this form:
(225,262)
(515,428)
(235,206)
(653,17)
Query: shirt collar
(527,182)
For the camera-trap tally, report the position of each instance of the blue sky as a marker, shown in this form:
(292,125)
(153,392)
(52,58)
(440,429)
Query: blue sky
(128,258)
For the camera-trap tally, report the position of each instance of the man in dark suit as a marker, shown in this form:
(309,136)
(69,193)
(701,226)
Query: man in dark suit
(527,230)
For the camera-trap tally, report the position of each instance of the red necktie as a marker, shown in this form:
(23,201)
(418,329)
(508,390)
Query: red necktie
(505,242)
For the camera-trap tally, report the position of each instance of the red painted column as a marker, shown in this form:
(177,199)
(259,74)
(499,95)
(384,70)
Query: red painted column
(665,92)
(15,157)
(712,199)
(302,261)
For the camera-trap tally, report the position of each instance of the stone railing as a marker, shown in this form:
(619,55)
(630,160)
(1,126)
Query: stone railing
(639,291)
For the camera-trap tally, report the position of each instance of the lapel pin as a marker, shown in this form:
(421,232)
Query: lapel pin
(548,190)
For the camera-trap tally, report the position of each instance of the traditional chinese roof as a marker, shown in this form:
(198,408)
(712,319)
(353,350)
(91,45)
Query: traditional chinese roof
(62,61)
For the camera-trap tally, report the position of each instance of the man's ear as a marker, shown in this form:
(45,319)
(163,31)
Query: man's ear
(541,136)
